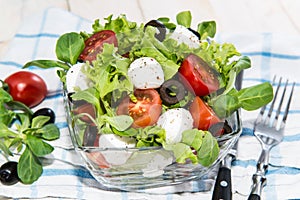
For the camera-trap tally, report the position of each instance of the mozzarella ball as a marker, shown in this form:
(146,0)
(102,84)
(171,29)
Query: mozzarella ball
(117,157)
(146,73)
(183,35)
(115,141)
(157,164)
(175,121)
(75,78)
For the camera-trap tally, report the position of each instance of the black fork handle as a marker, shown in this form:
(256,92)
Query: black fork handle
(254,197)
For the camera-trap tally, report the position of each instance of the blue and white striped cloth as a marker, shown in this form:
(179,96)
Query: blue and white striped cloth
(65,177)
(271,54)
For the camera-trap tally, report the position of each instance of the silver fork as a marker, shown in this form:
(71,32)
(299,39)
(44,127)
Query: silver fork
(269,135)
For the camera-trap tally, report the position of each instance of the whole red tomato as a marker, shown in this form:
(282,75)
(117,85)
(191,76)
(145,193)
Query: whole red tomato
(26,87)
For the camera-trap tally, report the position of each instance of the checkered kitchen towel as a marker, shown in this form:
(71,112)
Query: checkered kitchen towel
(271,55)
(65,177)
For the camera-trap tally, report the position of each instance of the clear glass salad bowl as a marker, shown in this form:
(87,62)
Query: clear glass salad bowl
(141,99)
(130,168)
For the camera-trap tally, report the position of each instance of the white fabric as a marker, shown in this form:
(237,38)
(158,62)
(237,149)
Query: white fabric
(65,177)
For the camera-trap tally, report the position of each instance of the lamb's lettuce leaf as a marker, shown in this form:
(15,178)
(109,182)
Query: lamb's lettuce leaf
(184,18)
(248,98)
(197,146)
(69,46)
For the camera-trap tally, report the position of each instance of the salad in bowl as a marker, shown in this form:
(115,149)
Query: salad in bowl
(152,104)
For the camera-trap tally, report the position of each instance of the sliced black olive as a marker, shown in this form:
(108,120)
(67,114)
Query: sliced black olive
(76,103)
(219,91)
(239,80)
(171,92)
(195,33)
(45,112)
(9,173)
(90,137)
(160,27)
(70,96)
(220,128)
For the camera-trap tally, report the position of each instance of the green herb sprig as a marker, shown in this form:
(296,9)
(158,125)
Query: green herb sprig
(22,134)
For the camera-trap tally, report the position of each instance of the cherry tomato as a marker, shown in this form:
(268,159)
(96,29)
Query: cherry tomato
(94,44)
(145,111)
(91,136)
(202,114)
(26,87)
(87,108)
(98,159)
(198,76)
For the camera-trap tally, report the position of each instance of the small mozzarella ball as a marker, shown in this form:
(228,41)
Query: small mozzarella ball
(157,164)
(183,35)
(116,157)
(75,78)
(175,121)
(146,73)
(115,141)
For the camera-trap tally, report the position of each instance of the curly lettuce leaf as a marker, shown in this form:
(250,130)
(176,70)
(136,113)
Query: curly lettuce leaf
(150,136)
(109,72)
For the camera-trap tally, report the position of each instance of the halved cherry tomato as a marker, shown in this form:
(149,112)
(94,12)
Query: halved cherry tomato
(198,76)
(202,114)
(88,109)
(91,136)
(26,87)
(98,159)
(145,111)
(94,44)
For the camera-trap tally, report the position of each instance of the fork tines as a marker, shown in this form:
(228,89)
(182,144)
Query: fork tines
(273,122)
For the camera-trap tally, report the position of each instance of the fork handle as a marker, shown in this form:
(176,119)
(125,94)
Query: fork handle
(259,181)
(254,197)
(263,160)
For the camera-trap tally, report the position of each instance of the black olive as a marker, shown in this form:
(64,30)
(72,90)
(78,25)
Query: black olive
(70,96)
(195,33)
(90,136)
(45,112)
(76,103)
(171,92)
(160,27)
(220,128)
(9,173)
(239,80)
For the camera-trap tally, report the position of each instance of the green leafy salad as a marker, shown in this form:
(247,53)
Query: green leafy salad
(159,84)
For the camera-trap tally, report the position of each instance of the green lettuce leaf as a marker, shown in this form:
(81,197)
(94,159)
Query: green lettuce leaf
(209,150)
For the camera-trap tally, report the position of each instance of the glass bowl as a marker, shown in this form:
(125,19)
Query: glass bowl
(130,168)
